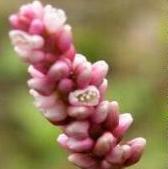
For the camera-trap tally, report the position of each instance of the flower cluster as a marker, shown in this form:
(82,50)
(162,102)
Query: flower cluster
(69,90)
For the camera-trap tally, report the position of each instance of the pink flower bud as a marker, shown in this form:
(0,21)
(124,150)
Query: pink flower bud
(65,38)
(105,165)
(78,146)
(104,144)
(99,72)
(27,12)
(102,88)
(101,112)
(119,155)
(59,70)
(36,56)
(79,59)
(25,41)
(80,112)
(83,74)
(14,21)
(77,129)
(41,84)
(70,53)
(43,102)
(66,85)
(84,161)
(113,116)
(35,73)
(86,97)
(38,9)
(36,27)
(56,113)
(125,120)
(62,140)
(116,155)
(137,147)
(53,19)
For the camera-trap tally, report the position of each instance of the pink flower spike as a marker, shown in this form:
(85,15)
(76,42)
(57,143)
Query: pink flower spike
(70,91)
(77,129)
(84,161)
(137,147)
(79,146)
(125,121)
(80,112)
(101,112)
(104,144)
(86,97)
(59,70)
(99,72)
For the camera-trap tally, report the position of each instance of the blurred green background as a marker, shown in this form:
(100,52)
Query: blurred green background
(131,35)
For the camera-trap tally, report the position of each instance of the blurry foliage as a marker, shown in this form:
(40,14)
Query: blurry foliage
(132,37)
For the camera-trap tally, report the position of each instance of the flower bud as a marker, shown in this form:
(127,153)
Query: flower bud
(43,102)
(70,53)
(77,129)
(36,27)
(112,119)
(56,113)
(86,97)
(80,112)
(137,147)
(53,19)
(116,155)
(104,144)
(101,112)
(102,88)
(125,120)
(99,72)
(66,85)
(65,38)
(84,161)
(59,70)
(25,41)
(42,85)
(35,73)
(62,140)
(75,145)
(83,74)
(78,60)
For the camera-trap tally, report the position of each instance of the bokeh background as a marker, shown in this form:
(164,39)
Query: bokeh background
(132,36)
